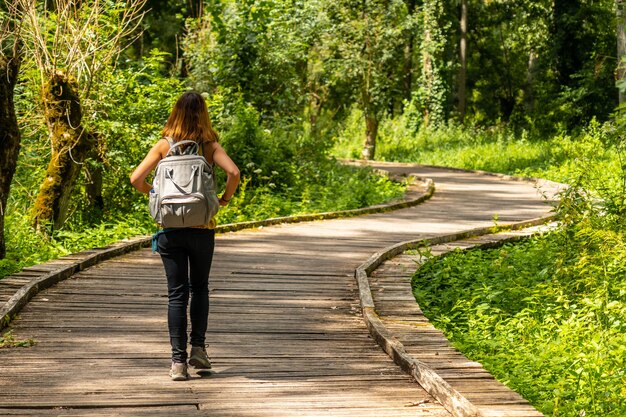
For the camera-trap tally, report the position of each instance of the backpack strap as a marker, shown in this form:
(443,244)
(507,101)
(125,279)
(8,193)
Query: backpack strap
(175,147)
(201,148)
(171,143)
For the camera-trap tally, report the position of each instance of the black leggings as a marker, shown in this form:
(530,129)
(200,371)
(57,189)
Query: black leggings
(187,256)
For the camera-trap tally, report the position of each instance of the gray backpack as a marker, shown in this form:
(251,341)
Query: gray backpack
(183,193)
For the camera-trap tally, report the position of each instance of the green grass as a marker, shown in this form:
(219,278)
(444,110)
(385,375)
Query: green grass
(496,149)
(539,317)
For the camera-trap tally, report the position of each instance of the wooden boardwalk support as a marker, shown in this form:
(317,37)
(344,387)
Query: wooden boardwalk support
(286,333)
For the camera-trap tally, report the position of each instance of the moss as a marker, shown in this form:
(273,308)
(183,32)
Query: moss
(69,146)
(61,100)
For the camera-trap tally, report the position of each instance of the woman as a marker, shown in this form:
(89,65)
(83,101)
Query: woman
(187,252)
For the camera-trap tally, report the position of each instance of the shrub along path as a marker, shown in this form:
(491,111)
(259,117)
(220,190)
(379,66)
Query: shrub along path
(285,331)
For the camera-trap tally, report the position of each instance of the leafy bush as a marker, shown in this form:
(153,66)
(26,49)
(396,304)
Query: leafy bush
(319,186)
(25,248)
(546,317)
(266,156)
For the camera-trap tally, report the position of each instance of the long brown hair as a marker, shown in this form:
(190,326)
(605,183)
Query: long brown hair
(190,120)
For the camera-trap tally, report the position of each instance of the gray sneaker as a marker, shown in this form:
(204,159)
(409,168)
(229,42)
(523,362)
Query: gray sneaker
(198,358)
(179,372)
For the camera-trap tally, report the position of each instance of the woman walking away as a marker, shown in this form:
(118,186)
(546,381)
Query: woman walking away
(187,252)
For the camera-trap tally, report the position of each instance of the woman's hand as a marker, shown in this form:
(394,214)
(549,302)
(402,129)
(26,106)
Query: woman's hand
(223,203)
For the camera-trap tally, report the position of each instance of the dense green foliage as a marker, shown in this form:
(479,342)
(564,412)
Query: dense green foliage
(546,317)
(536,64)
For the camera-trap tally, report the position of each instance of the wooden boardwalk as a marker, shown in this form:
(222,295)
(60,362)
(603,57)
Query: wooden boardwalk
(391,289)
(285,331)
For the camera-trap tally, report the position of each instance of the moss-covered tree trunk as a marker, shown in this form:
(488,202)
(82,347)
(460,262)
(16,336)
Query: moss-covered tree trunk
(69,146)
(433,86)
(9,134)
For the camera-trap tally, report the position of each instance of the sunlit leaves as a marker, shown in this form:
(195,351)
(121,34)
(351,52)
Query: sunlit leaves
(545,317)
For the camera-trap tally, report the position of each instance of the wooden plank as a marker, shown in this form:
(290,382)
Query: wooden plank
(156,411)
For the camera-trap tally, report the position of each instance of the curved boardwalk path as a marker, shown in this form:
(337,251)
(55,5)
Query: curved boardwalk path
(285,330)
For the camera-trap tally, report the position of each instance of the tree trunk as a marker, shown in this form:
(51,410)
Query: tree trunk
(529,96)
(69,146)
(621,45)
(507,103)
(371,122)
(371,132)
(9,134)
(407,70)
(463,61)
(316,103)
(407,79)
(427,77)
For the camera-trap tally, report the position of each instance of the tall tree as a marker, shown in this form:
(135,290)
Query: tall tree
(433,85)
(620,7)
(10,60)
(409,51)
(251,48)
(368,39)
(462,78)
(71,43)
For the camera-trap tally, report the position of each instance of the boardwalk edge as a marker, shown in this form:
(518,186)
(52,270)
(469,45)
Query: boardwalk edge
(540,182)
(433,383)
(10,309)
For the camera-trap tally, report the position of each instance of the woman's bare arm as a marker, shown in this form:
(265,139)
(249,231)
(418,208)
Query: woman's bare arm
(139,175)
(221,158)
